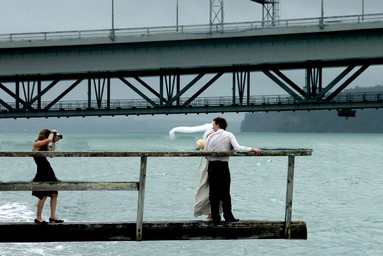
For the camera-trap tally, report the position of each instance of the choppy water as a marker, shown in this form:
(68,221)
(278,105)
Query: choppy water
(337,192)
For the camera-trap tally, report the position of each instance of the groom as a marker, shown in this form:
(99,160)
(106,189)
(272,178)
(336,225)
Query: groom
(218,170)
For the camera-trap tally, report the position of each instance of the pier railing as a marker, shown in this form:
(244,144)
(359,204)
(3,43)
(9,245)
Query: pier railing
(140,184)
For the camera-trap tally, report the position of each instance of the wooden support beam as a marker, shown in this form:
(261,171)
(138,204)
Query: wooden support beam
(266,152)
(46,186)
(126,231)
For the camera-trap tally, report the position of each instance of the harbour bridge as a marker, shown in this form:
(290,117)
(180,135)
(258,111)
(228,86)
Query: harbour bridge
(168,70)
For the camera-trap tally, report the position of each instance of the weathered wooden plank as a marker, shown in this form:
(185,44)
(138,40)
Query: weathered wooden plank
(126,231)
(266,152)
(141,198)
(43,186)
(289,196)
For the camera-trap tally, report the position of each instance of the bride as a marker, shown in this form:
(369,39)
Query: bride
(201,199)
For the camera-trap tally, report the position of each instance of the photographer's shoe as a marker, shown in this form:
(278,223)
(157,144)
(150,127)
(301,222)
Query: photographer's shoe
(55,221)
(43,222)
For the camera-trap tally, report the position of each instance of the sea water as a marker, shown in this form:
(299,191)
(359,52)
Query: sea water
(338,192)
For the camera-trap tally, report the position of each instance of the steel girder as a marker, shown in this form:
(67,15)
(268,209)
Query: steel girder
(167,96)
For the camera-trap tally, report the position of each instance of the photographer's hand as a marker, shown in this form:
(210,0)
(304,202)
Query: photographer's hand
(54,140)
(53,147)
(51,136)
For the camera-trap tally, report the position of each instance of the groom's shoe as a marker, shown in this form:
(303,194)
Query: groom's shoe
(216,221)
(232,220)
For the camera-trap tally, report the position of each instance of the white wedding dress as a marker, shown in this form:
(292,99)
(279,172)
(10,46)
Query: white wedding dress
(201,200)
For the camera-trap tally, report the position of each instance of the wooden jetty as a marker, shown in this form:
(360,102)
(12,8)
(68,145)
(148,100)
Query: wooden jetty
(126,231)
(140,230)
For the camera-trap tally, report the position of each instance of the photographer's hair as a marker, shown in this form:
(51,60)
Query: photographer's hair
(221,122)
(44,133)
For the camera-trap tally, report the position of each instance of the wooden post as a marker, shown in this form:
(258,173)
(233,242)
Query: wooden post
(141,198)
(289,196)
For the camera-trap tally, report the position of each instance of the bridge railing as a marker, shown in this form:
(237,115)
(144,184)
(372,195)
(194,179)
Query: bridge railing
(141,184)
(359,97)
(182,29)
(198,102)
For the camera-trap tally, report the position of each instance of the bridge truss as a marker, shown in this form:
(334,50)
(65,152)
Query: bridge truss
(171,73)
(32,96)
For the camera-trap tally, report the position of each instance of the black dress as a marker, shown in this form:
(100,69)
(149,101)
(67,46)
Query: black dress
(44,173)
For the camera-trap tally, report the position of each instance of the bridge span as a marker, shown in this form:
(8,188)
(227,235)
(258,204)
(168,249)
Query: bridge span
(167,70)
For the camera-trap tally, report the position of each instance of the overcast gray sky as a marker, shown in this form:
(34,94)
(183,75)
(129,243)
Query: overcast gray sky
(55,15)
(21,16)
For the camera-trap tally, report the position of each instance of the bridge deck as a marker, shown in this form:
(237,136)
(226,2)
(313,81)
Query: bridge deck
(126,231)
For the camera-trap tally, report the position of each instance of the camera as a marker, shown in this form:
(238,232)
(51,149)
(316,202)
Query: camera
(57,135)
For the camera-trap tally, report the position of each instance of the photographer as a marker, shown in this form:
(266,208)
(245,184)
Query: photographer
(45,173)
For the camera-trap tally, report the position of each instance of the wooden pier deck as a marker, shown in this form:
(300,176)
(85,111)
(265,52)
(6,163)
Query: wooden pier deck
(126,231)
(146,230)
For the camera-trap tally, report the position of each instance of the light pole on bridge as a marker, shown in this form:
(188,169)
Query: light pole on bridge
(322,10)
(177,16)
(112,35)
(321,22)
